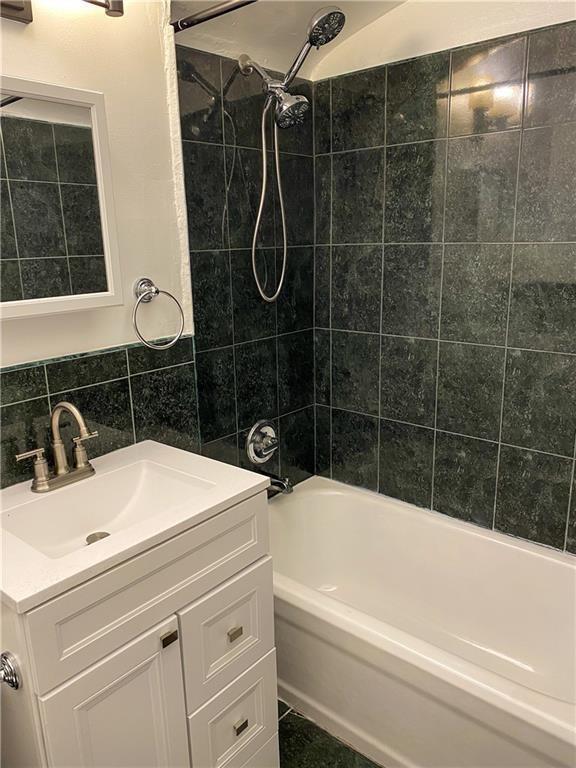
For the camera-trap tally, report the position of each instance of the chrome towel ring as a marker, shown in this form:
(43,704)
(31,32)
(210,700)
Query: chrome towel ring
(145,290)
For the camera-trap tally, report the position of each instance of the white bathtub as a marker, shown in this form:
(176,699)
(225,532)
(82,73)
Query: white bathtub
(421,640)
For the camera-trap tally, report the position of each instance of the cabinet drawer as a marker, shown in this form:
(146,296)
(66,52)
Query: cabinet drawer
(226,632)
(83,625)
(230,729)
(267,757)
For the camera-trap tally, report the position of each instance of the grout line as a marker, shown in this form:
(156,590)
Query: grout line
(510,286)
(226,145)
(439,333)
(130,396)
(570,496)
(62,211)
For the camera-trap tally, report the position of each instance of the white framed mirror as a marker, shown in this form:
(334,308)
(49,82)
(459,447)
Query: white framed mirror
(59,248)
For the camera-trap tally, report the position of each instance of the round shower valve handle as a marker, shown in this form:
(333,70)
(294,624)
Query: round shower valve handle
(261,443)
(9,672)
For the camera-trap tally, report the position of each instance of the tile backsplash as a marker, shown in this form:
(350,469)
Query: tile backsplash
(445,282)
(51,237)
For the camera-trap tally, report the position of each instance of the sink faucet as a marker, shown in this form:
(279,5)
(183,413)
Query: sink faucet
(44,480)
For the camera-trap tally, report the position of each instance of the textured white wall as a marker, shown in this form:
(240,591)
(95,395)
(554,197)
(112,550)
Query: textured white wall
(418,27)
(131,61)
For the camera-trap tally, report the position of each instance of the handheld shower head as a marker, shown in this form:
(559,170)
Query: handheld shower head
(290,109)
(325,25)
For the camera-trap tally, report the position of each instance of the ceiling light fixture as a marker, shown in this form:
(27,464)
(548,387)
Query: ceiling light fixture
(113,7)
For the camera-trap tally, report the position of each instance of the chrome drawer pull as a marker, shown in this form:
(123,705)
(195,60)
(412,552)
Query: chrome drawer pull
(235,633)
(240,727)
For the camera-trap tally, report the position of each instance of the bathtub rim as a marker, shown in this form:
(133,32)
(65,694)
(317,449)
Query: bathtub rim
(377,638)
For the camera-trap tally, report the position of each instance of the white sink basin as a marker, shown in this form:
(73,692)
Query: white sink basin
(139,496)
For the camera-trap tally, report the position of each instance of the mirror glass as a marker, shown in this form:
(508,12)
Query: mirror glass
(50,221)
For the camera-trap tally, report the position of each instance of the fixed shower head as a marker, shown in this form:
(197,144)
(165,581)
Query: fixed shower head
(325,25)
(290,109)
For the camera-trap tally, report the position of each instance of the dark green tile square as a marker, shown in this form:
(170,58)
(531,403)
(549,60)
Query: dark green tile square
(205,201)
(322,117)
(199,95)
(297,445)
(470,381)
(323,198)
(106,408)
(244,178)
(322,270)
(415,192)
(546,208)
(487,86)
(533,491)
(322,359)
(143,358)
(165,407)
(216,393)
(355,449)
(82,219)
(465,478)
(296,301)
(357,196)
(75,153)
(83,370)
(543,304)
(475,291)
(88,274)
(356,286)
(359,109)
(406,455)
(540,401)
(355,358)
(305,745)
(29,149)
(408,379)
(45,277)
(323,440)
(295,370)
(8,249)
(225,449)
(23,426)
(254,318)
(22,384)
(481,187)
(256,382)
(298,180)
(417,99)
(551,91)
(411,289)
(212,298)
(10,283)
(37,219)
(244,101)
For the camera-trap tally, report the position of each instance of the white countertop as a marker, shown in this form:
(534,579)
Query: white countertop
(30,577)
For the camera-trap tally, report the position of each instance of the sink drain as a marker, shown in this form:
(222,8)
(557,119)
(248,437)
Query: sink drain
(92,537)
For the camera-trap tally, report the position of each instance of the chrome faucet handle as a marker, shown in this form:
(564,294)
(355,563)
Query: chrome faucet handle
(80,455)
(41,471)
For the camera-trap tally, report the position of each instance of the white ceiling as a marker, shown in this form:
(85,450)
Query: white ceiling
(273,31)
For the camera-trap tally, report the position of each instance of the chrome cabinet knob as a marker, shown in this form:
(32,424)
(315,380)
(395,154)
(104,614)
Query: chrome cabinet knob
(9,672)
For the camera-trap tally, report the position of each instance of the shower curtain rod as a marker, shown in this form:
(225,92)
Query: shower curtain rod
(209,13)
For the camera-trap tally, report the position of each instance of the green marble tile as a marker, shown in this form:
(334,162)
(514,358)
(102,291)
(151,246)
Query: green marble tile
(23,426)
(216,393)
(88,274)
(29,148)
(295,370)
(83,370)
(297,445)
(22,384)
(225,449)
(408,379)
(143,358)
(357,196)
(75,153)
(199,94)
(406,457)
(355,449)
(359,109)
(356,286)
(551,91)
(355,361)
(212,298)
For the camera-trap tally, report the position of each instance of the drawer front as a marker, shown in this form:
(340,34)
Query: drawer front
(267,757)
(230,729)
(227,631)
(73,631)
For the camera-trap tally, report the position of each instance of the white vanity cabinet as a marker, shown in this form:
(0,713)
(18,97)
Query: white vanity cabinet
(166,659)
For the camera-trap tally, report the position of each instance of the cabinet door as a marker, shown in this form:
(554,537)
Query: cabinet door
(127,710)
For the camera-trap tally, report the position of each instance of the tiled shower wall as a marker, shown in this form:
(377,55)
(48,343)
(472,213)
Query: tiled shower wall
(445,284)
(254,360)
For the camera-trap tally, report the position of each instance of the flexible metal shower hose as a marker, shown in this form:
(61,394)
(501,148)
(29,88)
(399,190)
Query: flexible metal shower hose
(275,295)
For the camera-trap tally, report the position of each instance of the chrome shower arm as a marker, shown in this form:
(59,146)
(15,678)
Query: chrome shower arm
(298,61)
(248,65)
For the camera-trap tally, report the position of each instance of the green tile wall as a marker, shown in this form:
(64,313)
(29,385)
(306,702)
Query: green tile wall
(445,282)
(127,394)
